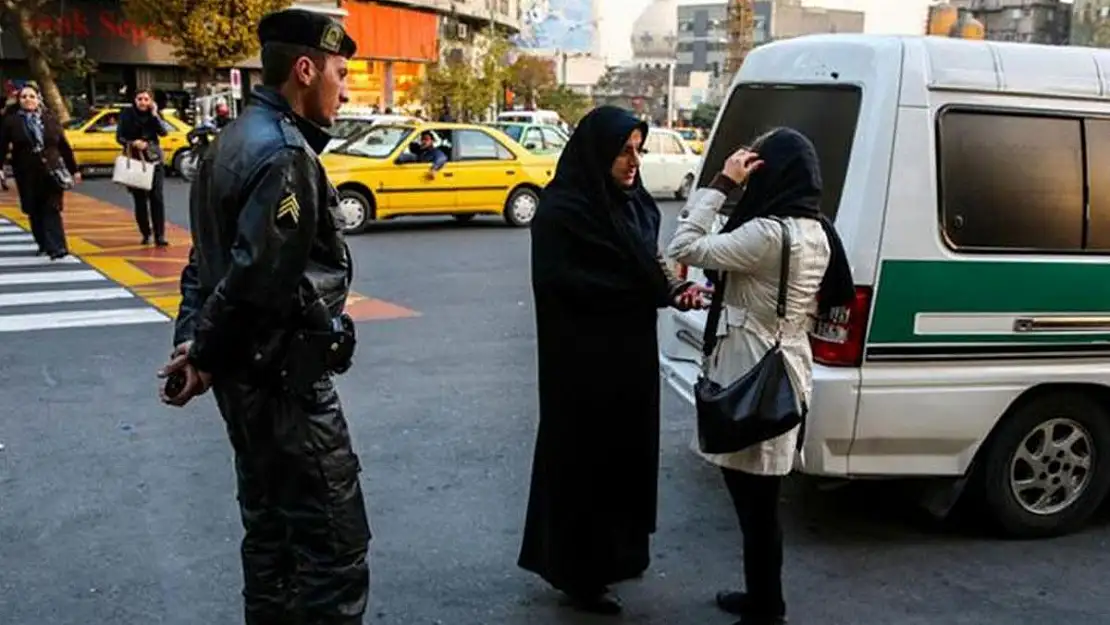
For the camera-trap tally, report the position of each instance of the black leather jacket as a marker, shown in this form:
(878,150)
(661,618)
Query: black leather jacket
(266,243)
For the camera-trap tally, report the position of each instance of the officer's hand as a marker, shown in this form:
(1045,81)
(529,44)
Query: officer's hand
(195,382)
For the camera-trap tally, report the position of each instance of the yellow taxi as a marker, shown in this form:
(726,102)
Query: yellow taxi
(486,174)
(694,138)
(94,140)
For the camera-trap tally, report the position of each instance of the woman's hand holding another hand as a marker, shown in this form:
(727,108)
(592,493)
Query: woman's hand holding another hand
(741,165)
(693,297)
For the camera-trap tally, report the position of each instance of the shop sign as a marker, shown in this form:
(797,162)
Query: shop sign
(97,31)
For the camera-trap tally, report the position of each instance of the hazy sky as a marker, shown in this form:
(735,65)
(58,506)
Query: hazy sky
(883,16)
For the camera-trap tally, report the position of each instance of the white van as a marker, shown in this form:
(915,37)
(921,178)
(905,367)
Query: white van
(540,117)
(970,182)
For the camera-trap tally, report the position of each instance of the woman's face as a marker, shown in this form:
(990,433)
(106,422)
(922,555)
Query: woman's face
(143,101)
(29,99)
(627,163)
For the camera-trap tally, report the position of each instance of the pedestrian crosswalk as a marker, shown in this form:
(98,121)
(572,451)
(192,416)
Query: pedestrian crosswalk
(37,293)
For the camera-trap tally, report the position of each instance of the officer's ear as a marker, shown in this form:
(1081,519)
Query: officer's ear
(307,69)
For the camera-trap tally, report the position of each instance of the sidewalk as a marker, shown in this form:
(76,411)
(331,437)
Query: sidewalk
(105,236)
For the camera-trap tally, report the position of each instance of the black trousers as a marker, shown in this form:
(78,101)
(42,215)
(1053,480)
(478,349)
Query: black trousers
(305,548)
(756,500)
(150,206)
(42,203)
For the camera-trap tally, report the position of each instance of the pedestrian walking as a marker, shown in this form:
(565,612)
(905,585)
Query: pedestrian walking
(598,280)
(782,188)
(261,321)
(139,130)
(43,166)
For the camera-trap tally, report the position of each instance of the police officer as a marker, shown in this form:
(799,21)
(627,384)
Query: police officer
(261,322)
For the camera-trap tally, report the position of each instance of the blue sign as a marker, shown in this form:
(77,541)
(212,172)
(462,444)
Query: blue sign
(566,25)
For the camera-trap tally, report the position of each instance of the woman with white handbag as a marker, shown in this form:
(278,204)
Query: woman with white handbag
(140,167)
(44,168)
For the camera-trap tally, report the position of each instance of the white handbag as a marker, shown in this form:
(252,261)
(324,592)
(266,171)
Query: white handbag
(133,173)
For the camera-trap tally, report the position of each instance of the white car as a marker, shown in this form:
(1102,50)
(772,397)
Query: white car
(668,165)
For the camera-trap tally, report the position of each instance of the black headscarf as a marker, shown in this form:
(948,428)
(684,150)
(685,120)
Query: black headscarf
(788,184)
(590,236)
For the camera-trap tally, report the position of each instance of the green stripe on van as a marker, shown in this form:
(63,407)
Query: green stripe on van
(909,287)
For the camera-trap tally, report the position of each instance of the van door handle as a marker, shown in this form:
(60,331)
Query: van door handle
(510,172)
(447,174)
(1056,324)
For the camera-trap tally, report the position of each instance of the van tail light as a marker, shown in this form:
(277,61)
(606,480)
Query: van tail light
(837,339)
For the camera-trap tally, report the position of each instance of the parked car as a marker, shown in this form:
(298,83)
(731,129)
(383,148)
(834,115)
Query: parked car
(668,165)
(93,138)
(536,138)
(485,174)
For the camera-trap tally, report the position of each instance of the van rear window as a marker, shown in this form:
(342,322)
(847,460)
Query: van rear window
(826,114)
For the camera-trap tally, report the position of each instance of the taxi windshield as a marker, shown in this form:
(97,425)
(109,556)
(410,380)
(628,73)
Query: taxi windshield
(689,134)
(375,142)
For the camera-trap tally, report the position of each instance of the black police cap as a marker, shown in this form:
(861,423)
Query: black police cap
(306,28)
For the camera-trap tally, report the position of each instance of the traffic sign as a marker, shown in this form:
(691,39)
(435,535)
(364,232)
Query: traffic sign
(236,84)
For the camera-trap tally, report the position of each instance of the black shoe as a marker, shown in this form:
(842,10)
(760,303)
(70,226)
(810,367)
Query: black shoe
(59,254)
(41,252)
(595,602)
(734,602)
(162,243)
(146,240)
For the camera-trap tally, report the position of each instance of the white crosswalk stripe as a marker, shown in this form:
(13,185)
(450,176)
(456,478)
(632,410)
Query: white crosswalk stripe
(37,293)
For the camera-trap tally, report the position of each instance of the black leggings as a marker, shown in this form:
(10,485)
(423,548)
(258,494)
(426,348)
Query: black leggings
(756,499)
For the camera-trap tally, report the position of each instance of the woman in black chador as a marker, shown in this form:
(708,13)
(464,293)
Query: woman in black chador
(598,281)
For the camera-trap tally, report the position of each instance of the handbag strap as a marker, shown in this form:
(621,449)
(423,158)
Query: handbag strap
(716,304)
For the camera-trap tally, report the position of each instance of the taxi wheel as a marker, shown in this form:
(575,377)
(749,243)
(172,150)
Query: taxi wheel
(1046,468)
(521,207)
(177,160)
(357,210)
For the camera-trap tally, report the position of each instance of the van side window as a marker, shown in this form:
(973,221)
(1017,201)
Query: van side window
(1098,182)
(1012,182)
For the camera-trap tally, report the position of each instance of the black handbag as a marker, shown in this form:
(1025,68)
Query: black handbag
(762,404)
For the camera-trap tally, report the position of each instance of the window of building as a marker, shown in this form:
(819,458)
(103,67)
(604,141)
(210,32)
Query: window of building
(1012,182)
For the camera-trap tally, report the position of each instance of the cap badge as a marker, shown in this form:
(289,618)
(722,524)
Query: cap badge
(332,38)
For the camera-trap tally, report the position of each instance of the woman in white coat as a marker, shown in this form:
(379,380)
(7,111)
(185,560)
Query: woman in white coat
(781,183)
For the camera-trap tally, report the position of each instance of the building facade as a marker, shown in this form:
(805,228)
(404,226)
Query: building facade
(1027,21)
(703,36)
(396,42)
(1090,23)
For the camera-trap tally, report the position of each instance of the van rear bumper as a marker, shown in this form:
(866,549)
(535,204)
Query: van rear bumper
(830,426)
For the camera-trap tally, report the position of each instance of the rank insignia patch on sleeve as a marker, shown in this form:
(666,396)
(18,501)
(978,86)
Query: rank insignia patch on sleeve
(288,212)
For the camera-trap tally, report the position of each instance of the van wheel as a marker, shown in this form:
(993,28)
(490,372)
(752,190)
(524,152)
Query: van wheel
(1047,467)
(683,192)
(521,207)
(357,210)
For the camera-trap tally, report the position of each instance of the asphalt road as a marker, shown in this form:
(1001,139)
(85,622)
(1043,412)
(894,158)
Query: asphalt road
(117,511)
